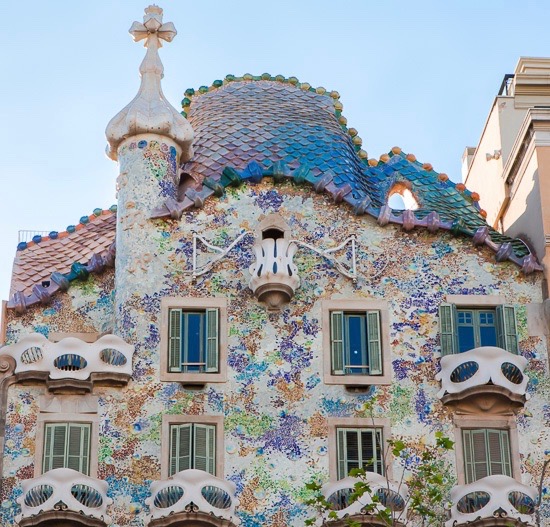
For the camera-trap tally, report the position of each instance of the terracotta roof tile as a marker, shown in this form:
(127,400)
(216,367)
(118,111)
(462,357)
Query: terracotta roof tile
(36,263)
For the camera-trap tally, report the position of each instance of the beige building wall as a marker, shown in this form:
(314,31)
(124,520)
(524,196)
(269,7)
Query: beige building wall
(514,187)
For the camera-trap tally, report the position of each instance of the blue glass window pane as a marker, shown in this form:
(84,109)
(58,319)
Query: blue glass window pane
(194,341)
(488,335)
(466,338)
(356,343)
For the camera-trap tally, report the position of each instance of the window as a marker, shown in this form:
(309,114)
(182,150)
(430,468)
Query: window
(486,453)
(67,445)
(465,328)
(486,444)
(192,445)
(356,342)
(193,340)
(192,441)
(359,448)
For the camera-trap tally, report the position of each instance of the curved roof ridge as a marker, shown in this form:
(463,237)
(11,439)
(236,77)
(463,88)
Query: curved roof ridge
(54,235)
(191,93)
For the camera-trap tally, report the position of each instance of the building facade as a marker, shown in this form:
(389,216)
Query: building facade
(253,316)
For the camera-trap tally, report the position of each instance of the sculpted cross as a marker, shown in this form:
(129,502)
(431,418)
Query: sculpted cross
(152,28)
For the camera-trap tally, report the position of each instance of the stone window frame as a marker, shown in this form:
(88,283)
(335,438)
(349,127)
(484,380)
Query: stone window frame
(179,419)
(486,421)
(195,303)
(74,409)
(333,423)
(358,305)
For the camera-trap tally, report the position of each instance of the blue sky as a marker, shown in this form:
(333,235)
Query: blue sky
(420,75)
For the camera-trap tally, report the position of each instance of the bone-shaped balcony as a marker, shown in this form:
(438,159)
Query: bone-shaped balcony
(494,501)
(274,275)
(365,509)
(72,365)
(63,497)
(485,376)
(192,495)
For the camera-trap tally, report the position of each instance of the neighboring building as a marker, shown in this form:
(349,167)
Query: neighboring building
(510,167)
(261,292)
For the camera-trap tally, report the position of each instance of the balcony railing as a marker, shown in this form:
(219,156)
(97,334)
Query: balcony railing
(193,491)
(492,497)
(64,489)
(72,358)
(483,366)
(390,496)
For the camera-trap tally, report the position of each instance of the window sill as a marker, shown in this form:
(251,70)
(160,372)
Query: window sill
(194,378)
(353,381)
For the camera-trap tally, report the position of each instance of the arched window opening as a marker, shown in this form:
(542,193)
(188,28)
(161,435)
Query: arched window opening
(400,197)
(273,233)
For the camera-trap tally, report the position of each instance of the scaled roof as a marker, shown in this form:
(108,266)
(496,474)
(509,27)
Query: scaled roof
(71,254)
(248,128)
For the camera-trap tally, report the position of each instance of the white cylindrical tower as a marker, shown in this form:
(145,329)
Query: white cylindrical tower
(149,138)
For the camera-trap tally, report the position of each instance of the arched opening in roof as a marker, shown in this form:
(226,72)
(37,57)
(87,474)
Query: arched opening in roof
(400,197)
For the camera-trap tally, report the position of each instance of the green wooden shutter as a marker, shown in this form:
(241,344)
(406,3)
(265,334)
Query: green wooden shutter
(498,450)
(468,456)
(174,346)
(204,447)
(55,443)
(342,457)
(180,448)
(78,447)
(447,329)
(507,328)
(337,341)
(475,454)
(212,340)
(67,445)
(374,343)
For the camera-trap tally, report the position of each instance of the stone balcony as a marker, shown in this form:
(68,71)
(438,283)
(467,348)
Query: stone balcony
(274,275)
(493,501)
(71,365)
(63,497)
(486,378)
(192,496)
(365,510)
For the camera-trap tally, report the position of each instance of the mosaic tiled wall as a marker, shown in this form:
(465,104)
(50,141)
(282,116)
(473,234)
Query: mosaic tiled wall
(275,404)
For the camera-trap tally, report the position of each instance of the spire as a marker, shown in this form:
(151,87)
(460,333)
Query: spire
(149,111)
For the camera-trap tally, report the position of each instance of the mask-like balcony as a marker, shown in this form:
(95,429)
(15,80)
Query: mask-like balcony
(72,365)
(65,498)
(493,501)
(192,496)
(274,275)
(486,378)
(365,510)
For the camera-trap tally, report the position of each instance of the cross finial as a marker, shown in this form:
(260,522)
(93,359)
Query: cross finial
(149,111)
(152,25)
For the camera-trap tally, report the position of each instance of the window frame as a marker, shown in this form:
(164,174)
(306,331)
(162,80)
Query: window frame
(169,420)
(357,423)
(350,306)
(67,409)
(193,304)
(454,303)
(69,425)
(486,422)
